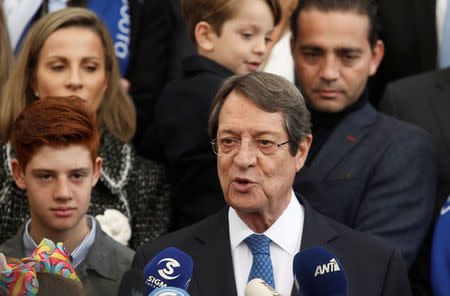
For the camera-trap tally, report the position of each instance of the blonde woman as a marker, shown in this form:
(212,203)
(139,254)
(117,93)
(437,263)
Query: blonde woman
(69,53)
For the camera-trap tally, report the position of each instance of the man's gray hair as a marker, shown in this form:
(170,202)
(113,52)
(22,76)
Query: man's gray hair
(271,93)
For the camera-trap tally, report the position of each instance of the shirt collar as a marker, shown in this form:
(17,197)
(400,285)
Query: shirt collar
(80,252)
(290,222)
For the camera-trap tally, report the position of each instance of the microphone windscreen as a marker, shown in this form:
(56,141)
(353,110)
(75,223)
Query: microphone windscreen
(317,272)
(132,283)
(170,268)
(169,291)
(258,287)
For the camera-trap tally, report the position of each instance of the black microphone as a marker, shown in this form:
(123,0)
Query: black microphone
(317,272)
(132,283)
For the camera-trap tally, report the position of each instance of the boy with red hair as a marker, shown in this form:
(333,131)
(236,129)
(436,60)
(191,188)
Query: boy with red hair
(56,143)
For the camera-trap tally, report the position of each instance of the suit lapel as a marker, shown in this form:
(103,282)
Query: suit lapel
(316,232)
(214,268)
(347,135)
(440,104)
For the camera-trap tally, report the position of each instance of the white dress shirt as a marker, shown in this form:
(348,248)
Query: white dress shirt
(286,235)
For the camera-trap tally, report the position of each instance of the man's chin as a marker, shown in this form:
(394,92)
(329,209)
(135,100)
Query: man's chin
(327,105)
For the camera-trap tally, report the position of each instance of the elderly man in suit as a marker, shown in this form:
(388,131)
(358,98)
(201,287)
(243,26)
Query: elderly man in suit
(366,170)
(261,134)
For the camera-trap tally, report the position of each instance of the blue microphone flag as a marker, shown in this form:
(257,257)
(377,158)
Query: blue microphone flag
(317,272)
(170,268)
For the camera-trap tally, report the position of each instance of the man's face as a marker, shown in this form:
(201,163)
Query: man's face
(58,182)
(333,58)
(254,184)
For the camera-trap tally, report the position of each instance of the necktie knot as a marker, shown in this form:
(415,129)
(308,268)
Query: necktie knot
(258,244)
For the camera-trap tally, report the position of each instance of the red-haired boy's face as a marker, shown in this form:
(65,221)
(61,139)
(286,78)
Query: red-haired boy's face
(58,182)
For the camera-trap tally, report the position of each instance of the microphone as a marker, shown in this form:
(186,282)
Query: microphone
(170,268)
(168,291)
(132,283)
(317,272)
(258,287)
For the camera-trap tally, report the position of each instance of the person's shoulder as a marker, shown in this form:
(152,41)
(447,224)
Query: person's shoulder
(118,255)
(201,76)
(187,239)
(185,236)
(400,130)
(420,81)
(13,247)
(359,241)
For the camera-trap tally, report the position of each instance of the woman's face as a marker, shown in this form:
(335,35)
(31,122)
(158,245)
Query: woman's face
(72,64)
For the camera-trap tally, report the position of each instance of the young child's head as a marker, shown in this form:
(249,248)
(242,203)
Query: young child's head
(233,33)
(56,143)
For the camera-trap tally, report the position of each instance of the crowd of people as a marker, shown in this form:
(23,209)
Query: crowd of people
(223,128)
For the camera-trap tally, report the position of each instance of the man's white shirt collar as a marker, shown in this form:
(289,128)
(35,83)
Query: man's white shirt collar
(285,233)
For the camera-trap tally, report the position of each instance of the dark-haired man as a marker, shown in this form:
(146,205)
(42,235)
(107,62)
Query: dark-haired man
(366,170)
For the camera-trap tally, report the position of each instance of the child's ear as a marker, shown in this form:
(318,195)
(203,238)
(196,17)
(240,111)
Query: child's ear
(204,36)
(18,174)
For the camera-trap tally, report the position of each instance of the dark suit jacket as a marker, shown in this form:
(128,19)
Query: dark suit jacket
(375,174)
(179,137)
(372,268)
(409,34)
(424,100)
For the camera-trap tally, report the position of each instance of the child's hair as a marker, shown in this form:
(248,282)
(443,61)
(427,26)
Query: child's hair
(51,284)
(56,122)
(216,13)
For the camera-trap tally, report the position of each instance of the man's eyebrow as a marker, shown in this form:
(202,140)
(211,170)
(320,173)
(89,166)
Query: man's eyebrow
(348,50)
(255,134)
(311,47)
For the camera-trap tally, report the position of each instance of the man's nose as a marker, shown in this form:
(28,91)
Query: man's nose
(329,68)
(245,155)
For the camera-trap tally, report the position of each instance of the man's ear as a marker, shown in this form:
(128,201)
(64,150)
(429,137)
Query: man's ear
(377,56)
(204,36)
(96,170)
(18,174)
(303,149)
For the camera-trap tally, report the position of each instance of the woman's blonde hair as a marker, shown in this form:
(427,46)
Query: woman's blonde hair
(6,54)
(116,112)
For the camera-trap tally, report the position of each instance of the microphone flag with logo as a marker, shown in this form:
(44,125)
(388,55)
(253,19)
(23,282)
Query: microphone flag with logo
(170,268)
(317,272)
(169,291)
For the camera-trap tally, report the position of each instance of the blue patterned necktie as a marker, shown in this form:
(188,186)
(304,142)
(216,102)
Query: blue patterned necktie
(259,245)
(444,52)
